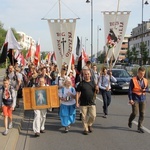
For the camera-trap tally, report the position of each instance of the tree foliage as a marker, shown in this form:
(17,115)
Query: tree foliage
(144,53)
(101,58)
(2,34)
(134,55)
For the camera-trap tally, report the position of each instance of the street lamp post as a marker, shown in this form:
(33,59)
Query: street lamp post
(146,3)
(98,29)
(85,42)
(88,1)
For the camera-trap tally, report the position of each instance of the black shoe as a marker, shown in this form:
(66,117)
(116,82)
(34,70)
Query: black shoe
(80,116)
(42,131)
(85,132)
(140,130)
(37,134)
(129,124)
(90,129)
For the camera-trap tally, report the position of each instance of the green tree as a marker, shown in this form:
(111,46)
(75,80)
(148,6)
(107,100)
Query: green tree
(134,54)
(17,36)
(2,34)
(102,57)
(129,56)
(144,53)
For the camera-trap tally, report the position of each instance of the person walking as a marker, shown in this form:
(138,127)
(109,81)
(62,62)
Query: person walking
(85,91)
(137,96)
(105,88)
(39,115)
(67,111)
(8,103)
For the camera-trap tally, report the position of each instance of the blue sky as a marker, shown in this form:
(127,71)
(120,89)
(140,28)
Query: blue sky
(25,16)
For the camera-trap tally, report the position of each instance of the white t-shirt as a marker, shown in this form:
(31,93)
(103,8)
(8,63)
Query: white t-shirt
(64,93)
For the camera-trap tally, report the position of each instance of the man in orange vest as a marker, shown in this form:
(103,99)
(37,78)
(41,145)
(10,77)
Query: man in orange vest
(137,96)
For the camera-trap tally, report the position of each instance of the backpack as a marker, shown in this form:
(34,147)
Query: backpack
(72,90)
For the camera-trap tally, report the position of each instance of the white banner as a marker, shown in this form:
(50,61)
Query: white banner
(115,24)
(62,34)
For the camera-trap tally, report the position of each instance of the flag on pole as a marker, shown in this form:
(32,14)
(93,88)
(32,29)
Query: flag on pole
(11,57)
(78,47)
(28,55)
(80,64)
(20,58)
(23,62)
(85,58)
(37,55)
(10,44)
(4,53)
(53,58)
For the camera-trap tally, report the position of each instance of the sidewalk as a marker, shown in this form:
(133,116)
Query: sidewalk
(9,141)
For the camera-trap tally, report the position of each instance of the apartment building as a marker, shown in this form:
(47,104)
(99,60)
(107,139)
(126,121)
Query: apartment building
(139,35)
(124,48)
(26,41)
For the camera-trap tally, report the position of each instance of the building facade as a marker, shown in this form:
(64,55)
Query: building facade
(26,41)
(140,35)
(124,48)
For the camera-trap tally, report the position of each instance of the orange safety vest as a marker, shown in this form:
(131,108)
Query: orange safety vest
(137,88)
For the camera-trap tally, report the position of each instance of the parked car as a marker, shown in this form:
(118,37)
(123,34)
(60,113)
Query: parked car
(123,80)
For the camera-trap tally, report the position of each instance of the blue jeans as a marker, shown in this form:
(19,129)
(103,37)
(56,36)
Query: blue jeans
(106,95)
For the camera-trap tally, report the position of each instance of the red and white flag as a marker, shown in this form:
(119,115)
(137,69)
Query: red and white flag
(85,57)
(9,44)
(20,58)
(53,58)
(28,55)
(37,55)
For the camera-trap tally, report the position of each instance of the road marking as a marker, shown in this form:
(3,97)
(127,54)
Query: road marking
(136,123)
(144,128)
(99,99)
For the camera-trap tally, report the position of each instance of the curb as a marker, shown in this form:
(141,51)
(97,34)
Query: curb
(9,141)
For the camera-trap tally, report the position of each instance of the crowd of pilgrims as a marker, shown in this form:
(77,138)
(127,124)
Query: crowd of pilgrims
(28,76)
(33,76)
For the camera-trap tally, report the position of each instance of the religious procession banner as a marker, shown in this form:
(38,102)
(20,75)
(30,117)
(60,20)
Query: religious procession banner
(62,34)
(115,24)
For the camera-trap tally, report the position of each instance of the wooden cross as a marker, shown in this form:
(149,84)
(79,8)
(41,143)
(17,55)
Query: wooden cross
(63,42)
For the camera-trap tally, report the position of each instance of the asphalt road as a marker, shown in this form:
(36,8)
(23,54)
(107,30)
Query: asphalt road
(109,134)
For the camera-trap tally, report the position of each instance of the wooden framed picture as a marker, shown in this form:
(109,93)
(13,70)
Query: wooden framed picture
(41,97)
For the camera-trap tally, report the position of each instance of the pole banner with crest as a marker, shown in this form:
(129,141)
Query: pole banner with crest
(115,24)
(62,34)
